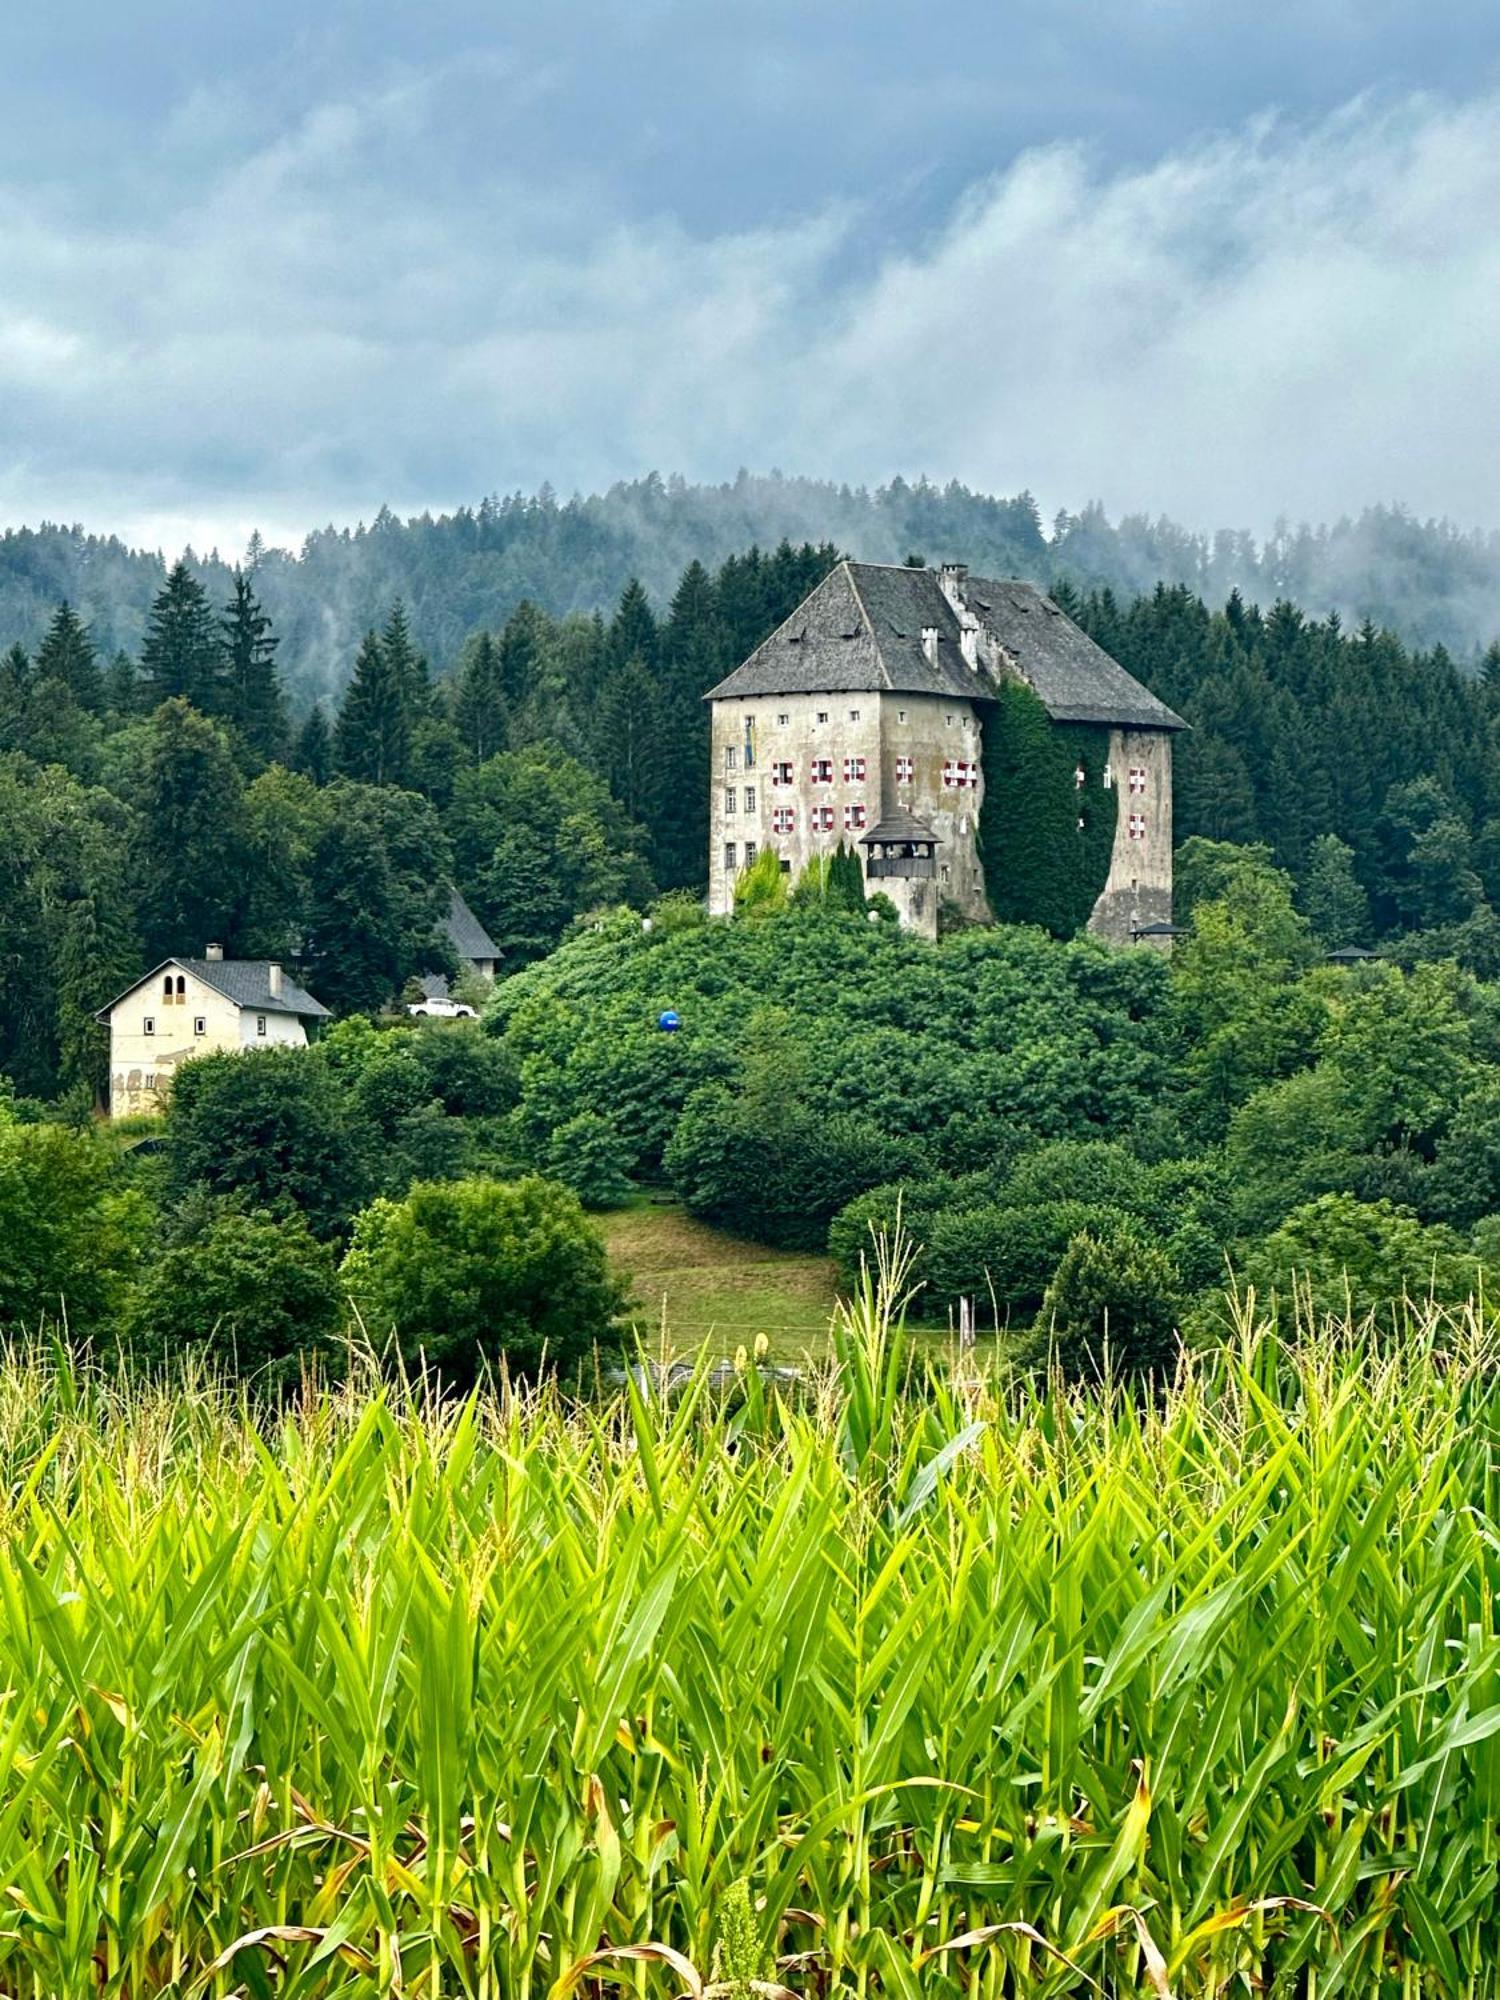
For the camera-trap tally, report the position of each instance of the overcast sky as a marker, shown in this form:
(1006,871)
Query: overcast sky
(275,265)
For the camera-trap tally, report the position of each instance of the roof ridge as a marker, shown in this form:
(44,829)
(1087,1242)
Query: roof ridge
(864,612)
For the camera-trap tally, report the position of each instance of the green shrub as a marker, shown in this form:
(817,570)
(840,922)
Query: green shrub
(465,1273)
(1000,1255)
(71,1226)
(1341,1253)
(1114,1302)
(259,1295)
(588,1155)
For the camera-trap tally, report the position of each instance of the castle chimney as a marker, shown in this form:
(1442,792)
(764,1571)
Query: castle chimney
(214,953)
(273,980)
(951,577)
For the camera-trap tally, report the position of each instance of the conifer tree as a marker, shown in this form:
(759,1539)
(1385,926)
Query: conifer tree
(1333,900)
(67,655)
(372,740)
(253,703)
(122,693)
(523,648)
(846,880)
(313,752)
(479,706)
(632,632)
(191,858)
(407,664)
(183,656)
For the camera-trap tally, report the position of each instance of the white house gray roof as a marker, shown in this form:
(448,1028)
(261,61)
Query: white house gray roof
(466,933)
(244,981)
(861,630)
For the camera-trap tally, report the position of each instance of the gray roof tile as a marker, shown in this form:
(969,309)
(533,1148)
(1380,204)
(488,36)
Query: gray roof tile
(861,630)
(466,933)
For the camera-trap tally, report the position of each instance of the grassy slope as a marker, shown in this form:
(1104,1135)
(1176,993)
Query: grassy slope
(718,1290)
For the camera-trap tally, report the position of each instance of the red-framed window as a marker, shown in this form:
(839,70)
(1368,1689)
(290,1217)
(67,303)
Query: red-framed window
(959,774)
(1136,826)
(781,774)
(906,770)
(784,819)
(820,818)
(854,770)
(854,816)
(822,770)
(1137,779)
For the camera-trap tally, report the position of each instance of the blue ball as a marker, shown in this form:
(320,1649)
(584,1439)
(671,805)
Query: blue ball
(669,1021)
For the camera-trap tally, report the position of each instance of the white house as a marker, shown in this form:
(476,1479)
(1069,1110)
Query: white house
(191,1007)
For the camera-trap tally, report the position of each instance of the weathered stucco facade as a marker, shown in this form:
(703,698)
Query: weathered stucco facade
(799,773)
(871,701)
(1139,889)
(183,1010)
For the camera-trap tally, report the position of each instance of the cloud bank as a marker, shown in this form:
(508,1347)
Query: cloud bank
(1289,319)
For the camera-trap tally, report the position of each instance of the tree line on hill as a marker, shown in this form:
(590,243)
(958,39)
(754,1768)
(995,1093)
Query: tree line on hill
(469,570)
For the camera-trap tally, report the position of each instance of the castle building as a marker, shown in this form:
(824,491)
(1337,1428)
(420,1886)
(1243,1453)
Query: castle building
(861,719)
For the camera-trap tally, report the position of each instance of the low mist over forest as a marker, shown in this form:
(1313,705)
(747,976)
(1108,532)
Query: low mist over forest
(1431,583)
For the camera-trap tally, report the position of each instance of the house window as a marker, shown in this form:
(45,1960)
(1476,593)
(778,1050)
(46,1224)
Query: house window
(749,798)
(151,1079)
(749,852)
(729,798)
(906,769)
(822,770)
(181,989)
(854,715)
(1137,826)
(947,872)
(749,742)
(901,715)
(731,756)
(959,774)
(782,720)
(948,721)
(260,1024)
(729,856)
(148,1026)
(1137,779)
(1109,777)
(166,991)
(822,715)
(854,770)
(784,819)
(781,774)
(821,818)
(1080,778)
(854,816)
(200,1025)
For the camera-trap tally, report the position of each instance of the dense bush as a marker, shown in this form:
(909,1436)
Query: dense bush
(1114,1304)
(255,1293)
(71,1227)
(478,1272)
(1002,1256)
(1350,1256)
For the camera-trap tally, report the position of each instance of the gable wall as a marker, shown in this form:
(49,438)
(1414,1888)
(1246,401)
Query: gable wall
(141,1066)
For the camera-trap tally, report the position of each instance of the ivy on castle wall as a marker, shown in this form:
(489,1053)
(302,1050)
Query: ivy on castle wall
(1041,866)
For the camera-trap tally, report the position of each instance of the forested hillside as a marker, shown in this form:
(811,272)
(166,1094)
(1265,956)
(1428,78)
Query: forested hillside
(1426,581)
(155,800)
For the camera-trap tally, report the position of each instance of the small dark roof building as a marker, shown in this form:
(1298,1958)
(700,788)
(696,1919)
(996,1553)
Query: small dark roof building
(468,936)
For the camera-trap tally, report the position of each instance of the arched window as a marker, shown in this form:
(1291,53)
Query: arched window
(166,991)
(181,989)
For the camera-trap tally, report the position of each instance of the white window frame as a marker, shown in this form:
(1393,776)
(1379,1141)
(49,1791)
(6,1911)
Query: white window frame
(821,769)
(730,861)
(148,1024)
(260,1024)
(749,798)
(731,797)
(731,757)
(200,1024)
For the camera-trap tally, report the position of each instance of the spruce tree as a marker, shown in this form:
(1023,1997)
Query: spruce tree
(479,706)
(313,752)
(1332,898)
(407,664)
(122,694)
(253,703)
(67,655)
(183,656)
(632,632)
(191,855)
(372,740)
(523,652)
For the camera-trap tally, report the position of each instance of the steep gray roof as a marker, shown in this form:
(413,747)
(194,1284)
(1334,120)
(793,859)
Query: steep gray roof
(245,981)
(466,933)
(861,630)
(1076,679)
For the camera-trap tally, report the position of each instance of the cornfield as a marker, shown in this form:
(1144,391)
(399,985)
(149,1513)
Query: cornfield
(903,1683)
